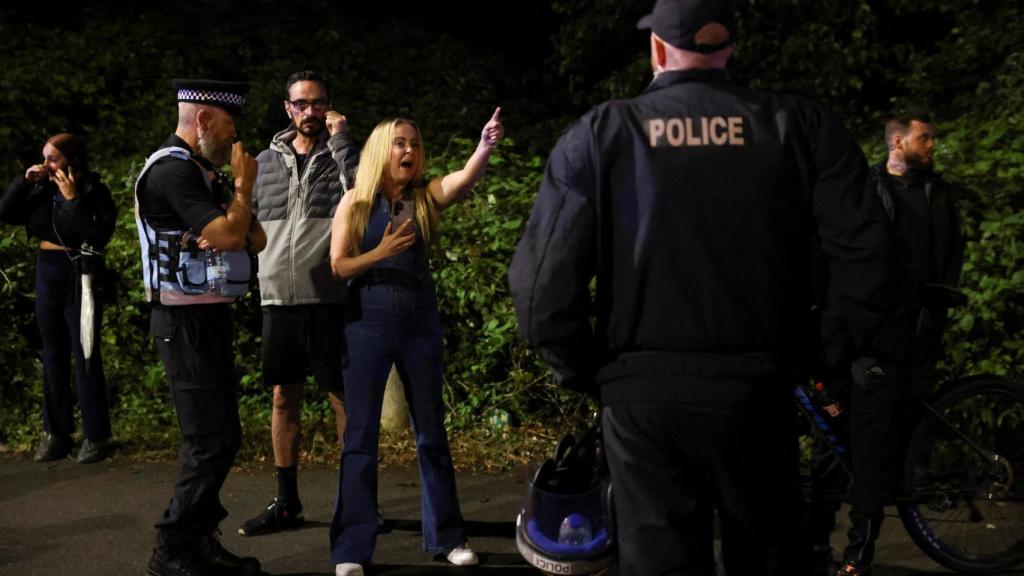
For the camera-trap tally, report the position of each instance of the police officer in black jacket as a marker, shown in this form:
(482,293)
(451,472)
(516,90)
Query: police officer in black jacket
(185,206)
(693,205)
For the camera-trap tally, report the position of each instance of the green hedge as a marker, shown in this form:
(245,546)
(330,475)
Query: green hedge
(110,79)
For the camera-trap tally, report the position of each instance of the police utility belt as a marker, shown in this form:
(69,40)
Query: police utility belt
(177,275)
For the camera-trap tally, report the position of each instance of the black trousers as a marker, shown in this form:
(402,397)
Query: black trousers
(673,464)
(59,318)
(881,409)
(196,347)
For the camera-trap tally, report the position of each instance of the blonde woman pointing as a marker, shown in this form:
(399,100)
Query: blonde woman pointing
(379,240)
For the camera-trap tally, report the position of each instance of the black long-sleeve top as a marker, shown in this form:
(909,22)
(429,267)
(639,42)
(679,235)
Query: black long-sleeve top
(692,205)
(928,247)
(88,218)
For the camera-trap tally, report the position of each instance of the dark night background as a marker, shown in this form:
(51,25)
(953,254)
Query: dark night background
(104,69)
(98,67)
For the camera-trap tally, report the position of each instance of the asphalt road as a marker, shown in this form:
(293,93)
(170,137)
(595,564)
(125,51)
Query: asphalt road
(66,518)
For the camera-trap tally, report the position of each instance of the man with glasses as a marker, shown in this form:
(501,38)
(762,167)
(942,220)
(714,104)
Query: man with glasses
(302,176)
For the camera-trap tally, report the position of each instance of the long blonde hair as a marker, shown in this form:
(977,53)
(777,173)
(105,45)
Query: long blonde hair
(372,174)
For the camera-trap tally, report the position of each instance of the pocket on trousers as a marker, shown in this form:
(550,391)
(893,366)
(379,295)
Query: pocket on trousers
(421,319)
(162,326)
(163,329)
(201,411)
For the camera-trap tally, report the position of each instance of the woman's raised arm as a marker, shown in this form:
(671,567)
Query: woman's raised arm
(447,189)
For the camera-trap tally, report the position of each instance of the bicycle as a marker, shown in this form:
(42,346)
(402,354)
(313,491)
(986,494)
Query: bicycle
(961,491)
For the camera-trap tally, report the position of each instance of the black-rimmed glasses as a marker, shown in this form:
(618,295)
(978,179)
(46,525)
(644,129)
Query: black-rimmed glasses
(319,105)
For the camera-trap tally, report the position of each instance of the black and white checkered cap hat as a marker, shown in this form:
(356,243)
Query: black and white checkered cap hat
(227,95)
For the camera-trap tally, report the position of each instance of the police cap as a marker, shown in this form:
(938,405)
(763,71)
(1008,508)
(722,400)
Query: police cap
(227,95)
(678,22)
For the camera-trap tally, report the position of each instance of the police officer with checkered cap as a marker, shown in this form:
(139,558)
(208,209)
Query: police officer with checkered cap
(228,96)
(182,195)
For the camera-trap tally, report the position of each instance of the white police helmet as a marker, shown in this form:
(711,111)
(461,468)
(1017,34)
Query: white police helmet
(567,523)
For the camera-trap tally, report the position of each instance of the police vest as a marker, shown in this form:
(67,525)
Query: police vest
(176,275)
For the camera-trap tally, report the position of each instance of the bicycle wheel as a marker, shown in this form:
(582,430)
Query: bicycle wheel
(963,498)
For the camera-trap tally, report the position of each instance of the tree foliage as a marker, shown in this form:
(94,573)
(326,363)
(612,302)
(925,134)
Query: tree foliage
(869,60)
(109,77)
(105,69)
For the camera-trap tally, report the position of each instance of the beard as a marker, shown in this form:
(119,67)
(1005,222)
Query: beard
(216,151)
(917,161)
(311,127)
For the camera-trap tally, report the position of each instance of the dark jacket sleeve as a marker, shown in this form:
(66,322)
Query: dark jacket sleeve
(14,205)
(90,215)
(551,271)
(853,229)
(955,261)
(346,154)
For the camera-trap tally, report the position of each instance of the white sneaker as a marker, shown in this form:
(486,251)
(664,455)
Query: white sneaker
(348,569)
(463,556)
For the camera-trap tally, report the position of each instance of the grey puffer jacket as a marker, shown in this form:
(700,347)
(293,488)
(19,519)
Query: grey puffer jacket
(296,210)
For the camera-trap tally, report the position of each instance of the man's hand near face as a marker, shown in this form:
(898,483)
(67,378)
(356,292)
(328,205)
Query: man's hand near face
(336,123)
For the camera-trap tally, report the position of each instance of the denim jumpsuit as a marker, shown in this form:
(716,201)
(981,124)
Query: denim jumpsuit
(391,318)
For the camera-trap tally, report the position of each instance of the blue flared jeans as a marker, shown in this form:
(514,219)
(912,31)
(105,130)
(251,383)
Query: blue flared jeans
(389,324)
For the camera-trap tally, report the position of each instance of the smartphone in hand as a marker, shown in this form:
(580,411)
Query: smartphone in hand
(403,210)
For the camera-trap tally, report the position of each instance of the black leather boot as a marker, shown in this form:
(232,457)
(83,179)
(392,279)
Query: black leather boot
(168,561)
(212,554)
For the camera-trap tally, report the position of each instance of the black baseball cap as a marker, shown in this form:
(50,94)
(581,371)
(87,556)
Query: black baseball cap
(678,22)
(227,95)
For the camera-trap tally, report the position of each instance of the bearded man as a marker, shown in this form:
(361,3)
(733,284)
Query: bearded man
(301,179)
(187,210)
(926,255)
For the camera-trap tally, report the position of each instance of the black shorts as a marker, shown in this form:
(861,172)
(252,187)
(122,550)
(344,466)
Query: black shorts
(304,339)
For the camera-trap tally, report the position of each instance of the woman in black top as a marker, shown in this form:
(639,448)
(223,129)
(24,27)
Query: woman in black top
(70,211)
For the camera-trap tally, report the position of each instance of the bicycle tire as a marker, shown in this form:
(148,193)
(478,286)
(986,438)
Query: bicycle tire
(965,510)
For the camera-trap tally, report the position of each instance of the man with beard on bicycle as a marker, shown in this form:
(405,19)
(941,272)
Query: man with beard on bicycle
(926,255)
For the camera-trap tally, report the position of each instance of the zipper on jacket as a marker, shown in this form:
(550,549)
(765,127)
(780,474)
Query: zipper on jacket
(301,208)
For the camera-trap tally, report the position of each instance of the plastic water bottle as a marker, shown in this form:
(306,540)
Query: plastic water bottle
(575,530)
(499,420)
(216,274)
(831,406)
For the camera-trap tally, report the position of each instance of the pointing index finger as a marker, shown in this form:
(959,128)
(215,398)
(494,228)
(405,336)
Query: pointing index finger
(496,117)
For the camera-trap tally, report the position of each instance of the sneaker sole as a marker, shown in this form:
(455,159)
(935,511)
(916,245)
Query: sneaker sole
(53,457)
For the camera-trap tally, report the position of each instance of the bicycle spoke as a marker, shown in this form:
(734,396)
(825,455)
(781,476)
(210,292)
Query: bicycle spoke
(964,506)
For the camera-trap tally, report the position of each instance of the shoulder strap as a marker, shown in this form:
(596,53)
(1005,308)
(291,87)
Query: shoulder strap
(149,245)
(884,193)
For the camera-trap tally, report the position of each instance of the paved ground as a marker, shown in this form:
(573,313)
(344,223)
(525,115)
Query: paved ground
(67,518)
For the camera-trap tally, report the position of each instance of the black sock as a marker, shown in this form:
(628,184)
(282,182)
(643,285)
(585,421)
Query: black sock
(288,484)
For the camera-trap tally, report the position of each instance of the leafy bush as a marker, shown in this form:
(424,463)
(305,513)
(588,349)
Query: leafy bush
(109,78)
(488,366)
(982,150)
